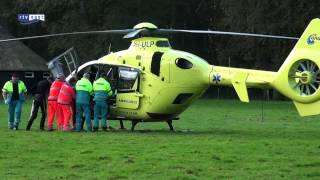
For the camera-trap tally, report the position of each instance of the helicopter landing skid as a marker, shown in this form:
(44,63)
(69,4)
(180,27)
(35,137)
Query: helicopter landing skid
(135,122)
(169,122)
(121,125)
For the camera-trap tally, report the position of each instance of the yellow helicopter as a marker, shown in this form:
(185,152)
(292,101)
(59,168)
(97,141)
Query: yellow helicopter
(155,83)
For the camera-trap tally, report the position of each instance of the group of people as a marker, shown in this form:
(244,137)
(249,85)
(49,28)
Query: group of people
(59,99)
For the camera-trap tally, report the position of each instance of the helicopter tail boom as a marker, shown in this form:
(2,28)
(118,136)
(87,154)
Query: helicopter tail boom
(241,79)
(298,78)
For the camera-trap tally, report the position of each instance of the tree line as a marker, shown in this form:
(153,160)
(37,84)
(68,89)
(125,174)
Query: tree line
(286,17)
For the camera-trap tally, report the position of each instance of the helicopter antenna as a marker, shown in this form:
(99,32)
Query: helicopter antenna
(109,50)
(229,61)
(262,104)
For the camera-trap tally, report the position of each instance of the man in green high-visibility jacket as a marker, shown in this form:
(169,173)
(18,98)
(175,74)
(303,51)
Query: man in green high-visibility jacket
(13,93)
(102,90)
(84,90)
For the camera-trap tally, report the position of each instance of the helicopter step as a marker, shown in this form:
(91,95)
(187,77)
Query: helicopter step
(169,122)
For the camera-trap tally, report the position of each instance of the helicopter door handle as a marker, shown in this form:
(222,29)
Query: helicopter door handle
(138,95)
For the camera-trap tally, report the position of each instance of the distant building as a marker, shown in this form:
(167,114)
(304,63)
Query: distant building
(16,57)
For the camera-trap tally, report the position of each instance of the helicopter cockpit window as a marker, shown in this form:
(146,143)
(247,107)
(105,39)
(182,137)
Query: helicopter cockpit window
(128,80)
(162,44)
(183,63)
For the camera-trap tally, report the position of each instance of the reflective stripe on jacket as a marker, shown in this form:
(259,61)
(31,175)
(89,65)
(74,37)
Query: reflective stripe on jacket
(84,85)
(8,87)
(84,90)
(55,90)
(102,89)
(66,95)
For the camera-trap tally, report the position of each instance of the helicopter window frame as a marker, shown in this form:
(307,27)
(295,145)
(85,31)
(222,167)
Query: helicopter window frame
(156,63)
(163,43)
(130,84)
(183,63)
(89,69)
(113,76)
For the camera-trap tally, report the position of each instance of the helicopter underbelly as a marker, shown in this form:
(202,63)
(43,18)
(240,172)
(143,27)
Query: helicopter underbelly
(165,104)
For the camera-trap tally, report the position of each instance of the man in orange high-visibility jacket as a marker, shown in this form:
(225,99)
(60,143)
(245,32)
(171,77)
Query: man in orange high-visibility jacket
(53,108)
(65,102)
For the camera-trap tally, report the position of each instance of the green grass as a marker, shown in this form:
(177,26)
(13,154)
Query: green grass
(214,140)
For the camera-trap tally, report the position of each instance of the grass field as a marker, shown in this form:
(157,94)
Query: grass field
(214,140)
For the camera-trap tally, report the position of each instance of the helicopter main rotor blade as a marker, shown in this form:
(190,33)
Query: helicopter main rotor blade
(224,33)
(133,33)
(124,31)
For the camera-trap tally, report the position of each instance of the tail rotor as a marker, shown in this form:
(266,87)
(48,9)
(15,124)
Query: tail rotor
(299,76)
(304,77)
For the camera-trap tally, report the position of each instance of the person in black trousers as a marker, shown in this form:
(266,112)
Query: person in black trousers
(40,100)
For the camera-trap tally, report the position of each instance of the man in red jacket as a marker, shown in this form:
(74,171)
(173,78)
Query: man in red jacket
(65,102)
(53,108)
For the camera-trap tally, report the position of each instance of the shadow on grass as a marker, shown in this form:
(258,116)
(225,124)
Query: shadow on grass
(255,133)
(219,132)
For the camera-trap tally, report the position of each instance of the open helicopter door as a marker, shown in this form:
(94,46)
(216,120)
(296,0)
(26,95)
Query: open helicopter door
(65,63)
(128,95)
